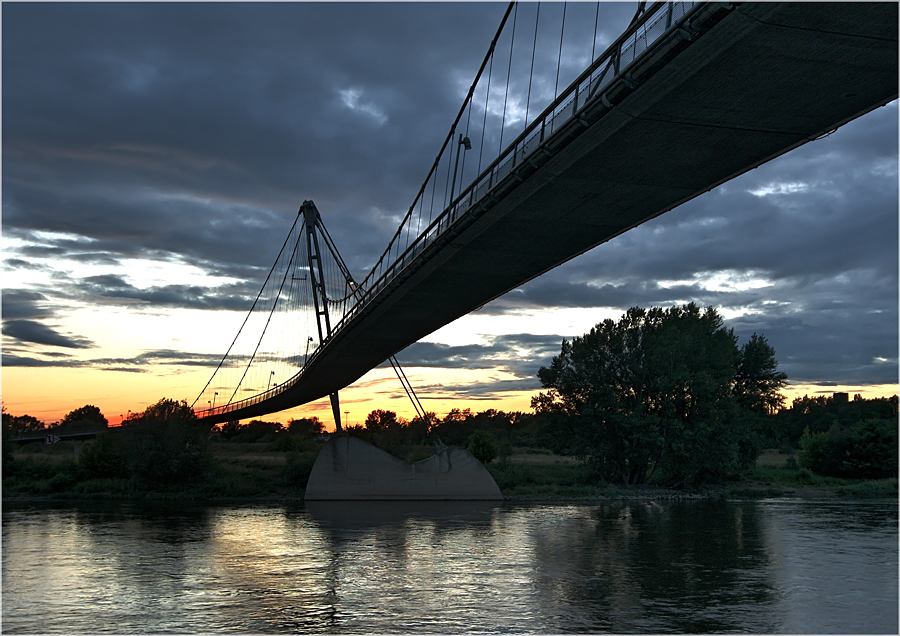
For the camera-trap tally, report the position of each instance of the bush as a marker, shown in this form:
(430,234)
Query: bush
(298,467)
(166,445)
(289,442)
(257,431)
(866,450)
(508,476)
(103,459)
(483,446)
(60,481)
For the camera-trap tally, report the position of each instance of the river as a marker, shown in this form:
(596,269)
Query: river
(769,566)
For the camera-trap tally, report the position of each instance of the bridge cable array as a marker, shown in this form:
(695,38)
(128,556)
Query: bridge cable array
(531,74)
(309,286)
(311,281)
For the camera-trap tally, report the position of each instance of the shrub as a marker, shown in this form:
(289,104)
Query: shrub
(257,431)
(166,445)
(865,450)
(804,476)
(483,446)
(509,476)
(298,467)
(287,442)
(103,459)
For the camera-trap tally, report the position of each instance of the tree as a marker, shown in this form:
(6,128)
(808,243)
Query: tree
(651,397)
(456,426)
(14,425)
(757,383)
(87,414)
(257,431)
(380,420)
(308,427)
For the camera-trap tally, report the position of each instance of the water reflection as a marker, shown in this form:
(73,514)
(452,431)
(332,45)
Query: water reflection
(771,566)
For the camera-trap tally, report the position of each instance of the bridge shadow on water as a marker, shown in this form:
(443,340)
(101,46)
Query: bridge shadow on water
(339,516)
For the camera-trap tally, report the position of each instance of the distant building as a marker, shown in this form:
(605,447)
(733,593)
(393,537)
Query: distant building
(841,398)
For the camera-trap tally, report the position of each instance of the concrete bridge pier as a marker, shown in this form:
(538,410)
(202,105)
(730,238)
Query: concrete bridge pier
(349,469)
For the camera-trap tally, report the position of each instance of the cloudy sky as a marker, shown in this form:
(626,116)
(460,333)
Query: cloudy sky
(155,156)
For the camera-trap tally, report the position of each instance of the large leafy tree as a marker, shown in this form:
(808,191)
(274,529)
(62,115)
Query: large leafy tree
(306,426)
(651,397)
(88,414)
(381,420)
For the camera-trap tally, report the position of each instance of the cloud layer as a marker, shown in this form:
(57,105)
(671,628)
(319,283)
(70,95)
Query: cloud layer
(187,135)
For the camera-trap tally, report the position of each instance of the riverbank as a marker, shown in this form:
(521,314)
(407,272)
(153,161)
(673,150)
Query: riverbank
(260,473)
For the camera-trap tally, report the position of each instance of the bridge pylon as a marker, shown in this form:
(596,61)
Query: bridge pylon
(313,225)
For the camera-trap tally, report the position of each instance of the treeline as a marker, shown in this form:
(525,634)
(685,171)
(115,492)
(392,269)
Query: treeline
(488,434)
(661,396)
(164,449)
(165,444)
(86,417)
(838,437)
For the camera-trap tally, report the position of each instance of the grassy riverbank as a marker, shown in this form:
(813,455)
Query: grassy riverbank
(262,471)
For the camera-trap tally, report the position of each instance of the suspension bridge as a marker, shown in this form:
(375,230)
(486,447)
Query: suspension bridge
(689,96)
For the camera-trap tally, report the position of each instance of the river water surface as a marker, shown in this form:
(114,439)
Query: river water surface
(771,566)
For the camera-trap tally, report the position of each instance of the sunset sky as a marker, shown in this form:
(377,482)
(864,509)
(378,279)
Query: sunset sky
(155,156)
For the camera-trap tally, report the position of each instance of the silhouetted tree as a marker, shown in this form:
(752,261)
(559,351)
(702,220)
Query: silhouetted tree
(308,427)
(758,382)
(380,420)
(88,414)
(651,397)
(258,431)
(15,425)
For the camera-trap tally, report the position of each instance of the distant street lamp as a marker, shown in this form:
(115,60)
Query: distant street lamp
(463,141)
(214,399)
(271,377)
(346,414)
(306,356)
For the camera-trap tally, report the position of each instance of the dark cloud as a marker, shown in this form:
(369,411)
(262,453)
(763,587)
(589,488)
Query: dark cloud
(23,303)
(32,331)
(520,354)
(15,360)
(190,133)
(198,129)
(115,290)
(143,362)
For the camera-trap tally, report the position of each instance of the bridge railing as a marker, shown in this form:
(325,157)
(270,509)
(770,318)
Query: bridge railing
(614,63)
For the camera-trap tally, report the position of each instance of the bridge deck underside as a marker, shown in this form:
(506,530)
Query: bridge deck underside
(765,79)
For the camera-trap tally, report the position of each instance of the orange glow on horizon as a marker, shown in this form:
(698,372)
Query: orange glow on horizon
(50,393)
